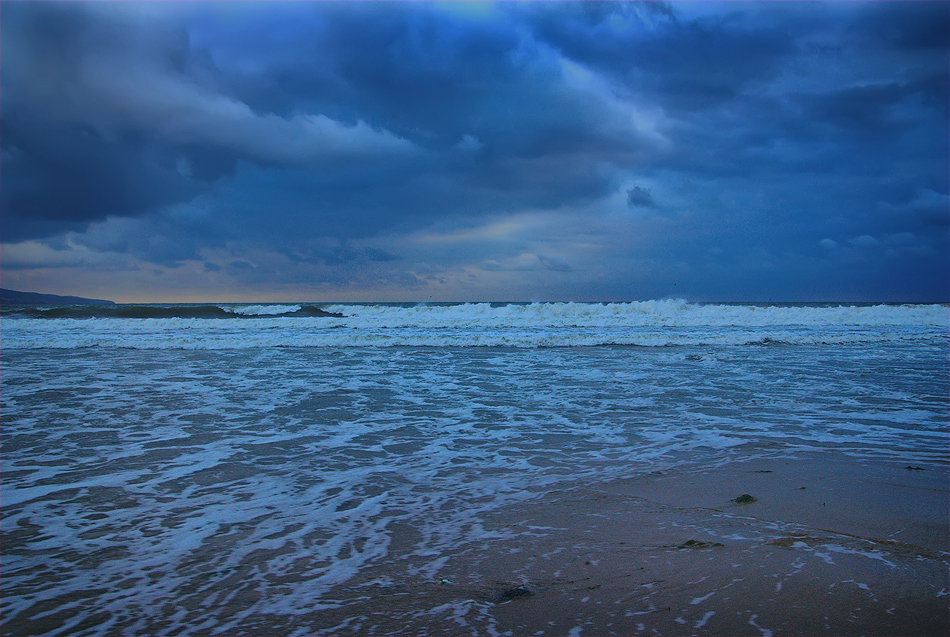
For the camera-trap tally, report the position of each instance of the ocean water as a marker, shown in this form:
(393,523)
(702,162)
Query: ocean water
(247,469)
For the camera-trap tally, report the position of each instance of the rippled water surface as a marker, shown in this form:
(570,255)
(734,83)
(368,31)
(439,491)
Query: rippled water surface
(171,491)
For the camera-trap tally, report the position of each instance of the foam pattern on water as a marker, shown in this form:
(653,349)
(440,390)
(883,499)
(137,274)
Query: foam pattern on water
(649,323)
(146,492)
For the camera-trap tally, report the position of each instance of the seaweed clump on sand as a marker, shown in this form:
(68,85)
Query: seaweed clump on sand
(696,544)
(745,498)
(792,540)
(508,594)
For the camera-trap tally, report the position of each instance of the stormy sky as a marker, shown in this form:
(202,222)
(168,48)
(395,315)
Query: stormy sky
(408,151)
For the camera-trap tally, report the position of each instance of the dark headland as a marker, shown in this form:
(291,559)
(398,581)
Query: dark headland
(13,297)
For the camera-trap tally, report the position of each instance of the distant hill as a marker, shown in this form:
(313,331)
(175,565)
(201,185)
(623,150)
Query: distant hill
(12,297)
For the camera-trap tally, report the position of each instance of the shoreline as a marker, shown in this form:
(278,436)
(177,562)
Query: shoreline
(668,553)
(861,550)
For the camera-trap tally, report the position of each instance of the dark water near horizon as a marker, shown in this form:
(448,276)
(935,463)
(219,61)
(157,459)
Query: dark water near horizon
(176,475)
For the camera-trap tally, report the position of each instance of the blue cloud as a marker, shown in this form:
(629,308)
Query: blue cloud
(345,144)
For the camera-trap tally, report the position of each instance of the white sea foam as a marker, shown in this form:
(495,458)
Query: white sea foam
(201,486)
(644,313)
(261,310)
(648,324)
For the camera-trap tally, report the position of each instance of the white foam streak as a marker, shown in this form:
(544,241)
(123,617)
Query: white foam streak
(217,491)
(645,313)
(261,310)
(648,324)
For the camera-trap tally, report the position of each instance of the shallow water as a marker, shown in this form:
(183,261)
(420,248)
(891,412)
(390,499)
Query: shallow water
(169,491)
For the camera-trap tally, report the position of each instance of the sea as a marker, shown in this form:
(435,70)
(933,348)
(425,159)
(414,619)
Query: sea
(274,468)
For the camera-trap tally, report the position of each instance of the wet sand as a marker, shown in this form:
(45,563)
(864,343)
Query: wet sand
(830,546)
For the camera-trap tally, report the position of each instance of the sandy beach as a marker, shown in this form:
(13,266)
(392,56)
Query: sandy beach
(831,546)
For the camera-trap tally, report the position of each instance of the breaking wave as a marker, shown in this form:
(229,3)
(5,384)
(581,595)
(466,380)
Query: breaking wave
(530,325)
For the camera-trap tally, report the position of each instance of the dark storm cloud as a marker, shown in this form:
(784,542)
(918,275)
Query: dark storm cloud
(329,134)
(890,25)
(683,63)
(62,176)
(875,109)
(105,115)
(60,169)
(638,196)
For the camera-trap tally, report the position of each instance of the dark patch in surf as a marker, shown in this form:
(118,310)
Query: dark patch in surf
(504,595)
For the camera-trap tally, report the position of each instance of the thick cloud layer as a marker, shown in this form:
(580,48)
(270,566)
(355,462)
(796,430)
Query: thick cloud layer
(734,151)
